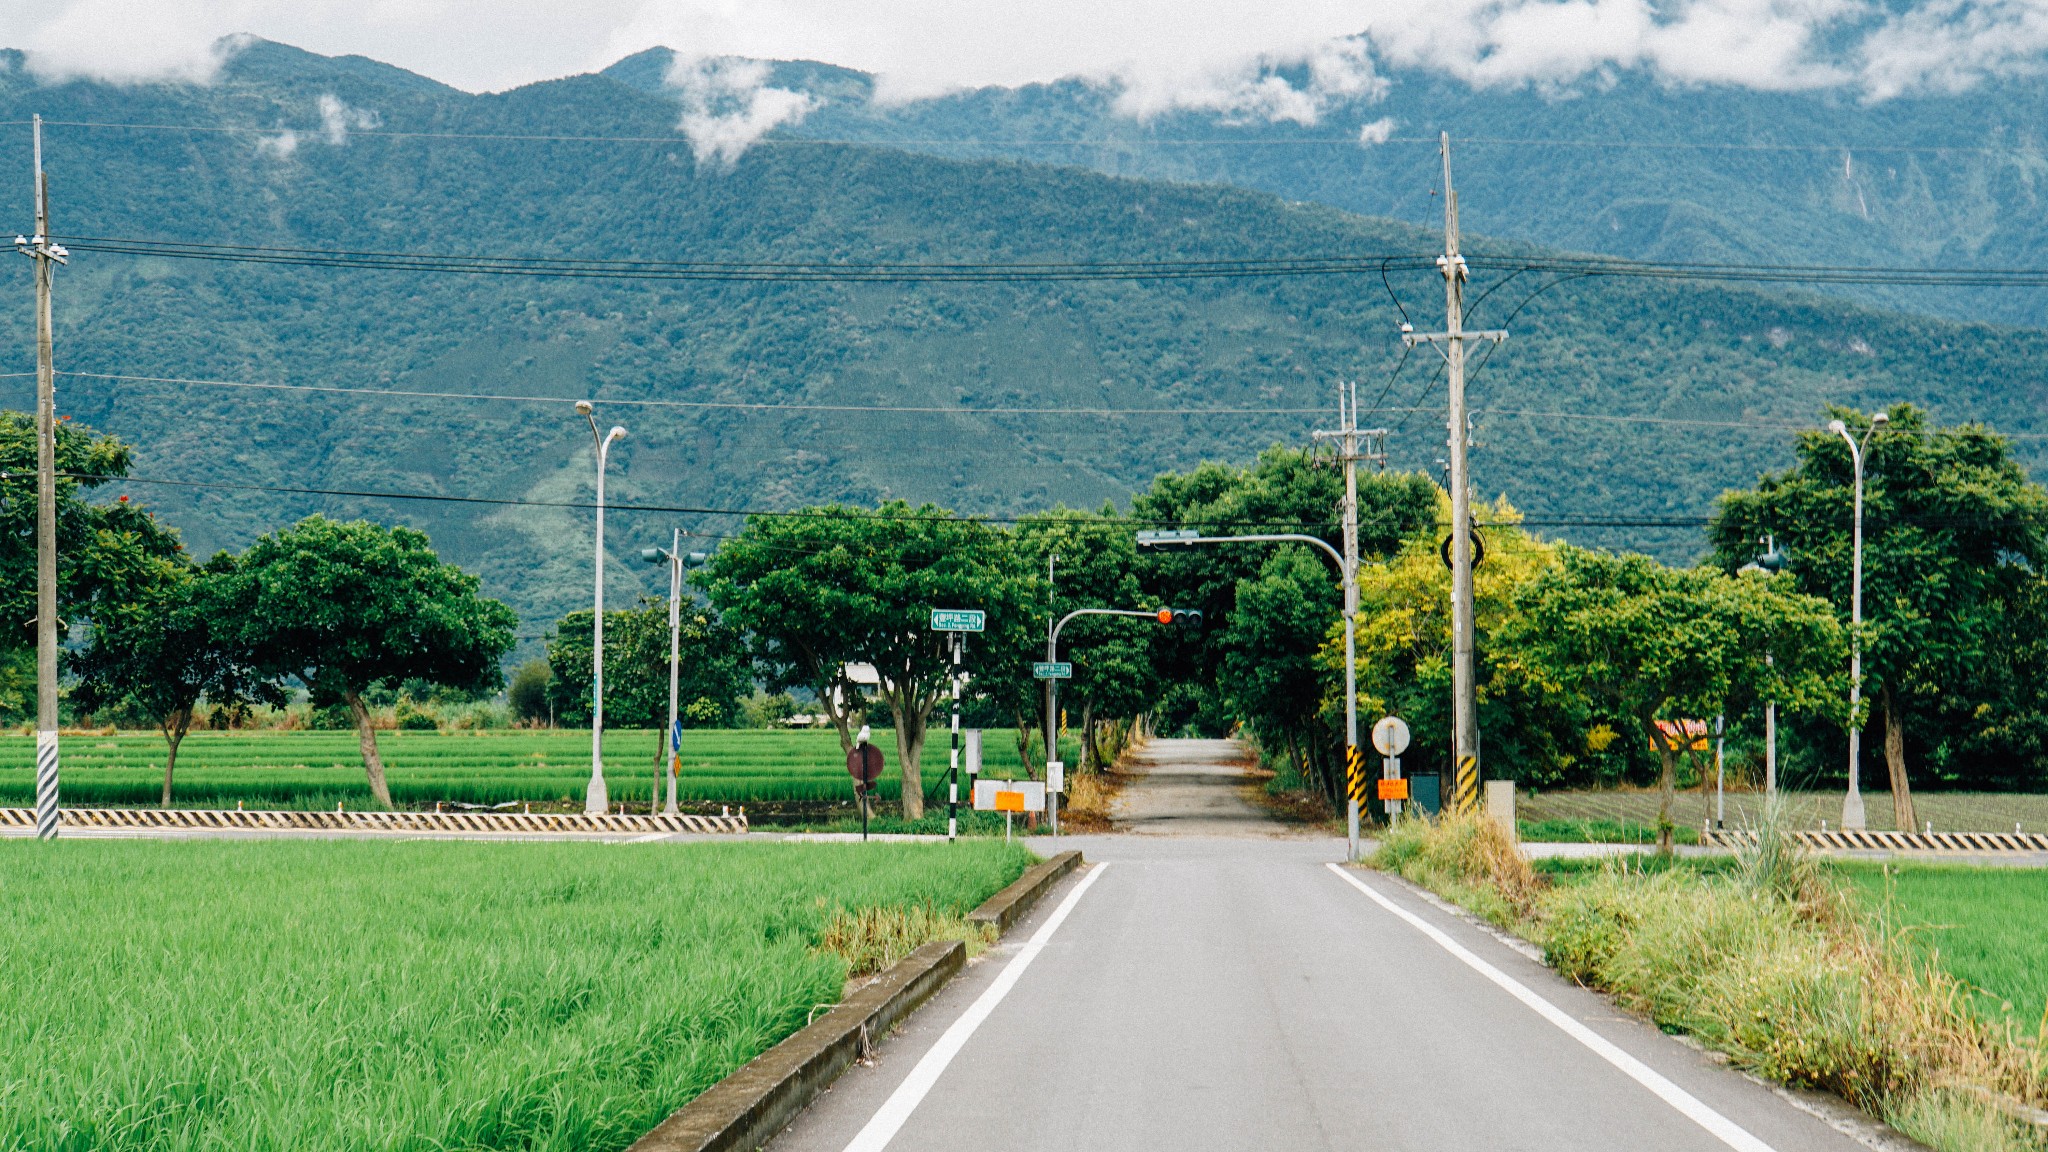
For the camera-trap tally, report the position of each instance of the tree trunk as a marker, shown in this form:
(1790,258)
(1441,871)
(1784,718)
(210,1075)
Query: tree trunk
(1024,727)
(1895,760)
(373,761)
(1091,758)
(1667,784)
(174,726)
(909,747)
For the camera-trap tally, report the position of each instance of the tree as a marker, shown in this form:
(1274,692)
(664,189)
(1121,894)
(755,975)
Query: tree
(163,651)
(712,674)
(344,606)
(1646,643)
(527,693)
(105,551)
(829,586)
(1270,676)
(1952,544)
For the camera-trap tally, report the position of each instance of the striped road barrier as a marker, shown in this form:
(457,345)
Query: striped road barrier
(1869,840)
(523,823)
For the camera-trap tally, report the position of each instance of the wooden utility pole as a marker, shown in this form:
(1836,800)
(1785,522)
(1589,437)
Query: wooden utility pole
(1462,791)
(47,254)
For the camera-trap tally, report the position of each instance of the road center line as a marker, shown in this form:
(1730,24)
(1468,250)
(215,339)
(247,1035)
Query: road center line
(1723,1129)
(898,1107)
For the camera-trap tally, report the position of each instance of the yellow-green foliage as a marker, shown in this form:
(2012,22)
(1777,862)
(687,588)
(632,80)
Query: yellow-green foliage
(1766,962)
(870,939)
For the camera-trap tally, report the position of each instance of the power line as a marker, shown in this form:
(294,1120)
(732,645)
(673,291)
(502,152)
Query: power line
(1351,141)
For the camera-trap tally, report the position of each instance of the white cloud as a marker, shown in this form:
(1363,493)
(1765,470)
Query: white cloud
(1286,60)
(1378,132)
(337,119)
(727,105)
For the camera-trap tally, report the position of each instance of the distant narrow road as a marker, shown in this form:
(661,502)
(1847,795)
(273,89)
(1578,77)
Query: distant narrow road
(1234,992)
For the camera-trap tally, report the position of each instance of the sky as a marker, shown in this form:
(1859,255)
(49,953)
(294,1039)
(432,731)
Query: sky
(1161,53)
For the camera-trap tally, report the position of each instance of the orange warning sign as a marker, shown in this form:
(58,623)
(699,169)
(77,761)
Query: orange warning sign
(1009,802)
(1393,789)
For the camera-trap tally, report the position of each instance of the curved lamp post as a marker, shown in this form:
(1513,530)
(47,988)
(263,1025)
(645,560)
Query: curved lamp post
(1852,804)
(596,800)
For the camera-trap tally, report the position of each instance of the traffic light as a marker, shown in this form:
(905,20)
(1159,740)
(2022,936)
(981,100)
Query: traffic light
(1182,617)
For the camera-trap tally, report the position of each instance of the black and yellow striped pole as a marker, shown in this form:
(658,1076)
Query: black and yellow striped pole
(1465,794)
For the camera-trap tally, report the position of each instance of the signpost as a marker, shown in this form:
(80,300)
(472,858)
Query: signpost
(957,621)
(864,764)
(1009,797)
(1390,737)
(1053,670)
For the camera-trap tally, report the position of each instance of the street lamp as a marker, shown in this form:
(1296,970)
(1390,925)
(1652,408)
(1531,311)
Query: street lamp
(1852,804)
(1770,563)
(677,560)
(596,800)
(1184,617)
(1349,582)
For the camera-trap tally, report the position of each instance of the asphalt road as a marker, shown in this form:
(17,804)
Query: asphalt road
(1211,992)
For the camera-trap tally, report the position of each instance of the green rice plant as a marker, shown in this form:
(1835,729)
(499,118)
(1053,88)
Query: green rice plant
(264,996)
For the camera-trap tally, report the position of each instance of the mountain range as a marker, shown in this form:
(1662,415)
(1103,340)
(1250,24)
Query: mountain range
(1612,398)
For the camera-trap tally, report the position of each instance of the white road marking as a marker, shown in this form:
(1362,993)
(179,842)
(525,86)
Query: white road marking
(650,838)
(909,1094)
(1723,1129)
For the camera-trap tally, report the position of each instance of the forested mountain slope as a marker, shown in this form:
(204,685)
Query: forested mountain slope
(488,179)
(1620,162)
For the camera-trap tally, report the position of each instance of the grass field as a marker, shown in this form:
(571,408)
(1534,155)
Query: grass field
(303,769)
(312,996)
(1984,925)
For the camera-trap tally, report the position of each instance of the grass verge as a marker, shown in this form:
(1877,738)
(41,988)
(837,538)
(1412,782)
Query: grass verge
(315,996)
(1769,961)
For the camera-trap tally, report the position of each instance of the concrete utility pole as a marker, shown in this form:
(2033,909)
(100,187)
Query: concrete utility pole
(47,254)
(1347,436)
(1464,779)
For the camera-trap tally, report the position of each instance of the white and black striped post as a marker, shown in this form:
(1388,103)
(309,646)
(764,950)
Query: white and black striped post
(46,785)
(953,769)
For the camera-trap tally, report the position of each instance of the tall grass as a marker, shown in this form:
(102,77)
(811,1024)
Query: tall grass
(1769,962)
(315,996)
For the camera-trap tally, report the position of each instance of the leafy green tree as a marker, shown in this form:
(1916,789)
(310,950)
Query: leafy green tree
(342,607)
(527,693)
(1094,565)
(835,585)
(163,651)
(106,551)
(711,675)
(1953,546)
(1644,643)
(1270,674)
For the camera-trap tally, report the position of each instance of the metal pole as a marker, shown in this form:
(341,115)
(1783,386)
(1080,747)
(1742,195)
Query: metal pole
(1852,803)
(596,800)
(1353,762)
(46,513)
(953,767)
(675,650)
(1770,741)
(1465,720)
(1720,789)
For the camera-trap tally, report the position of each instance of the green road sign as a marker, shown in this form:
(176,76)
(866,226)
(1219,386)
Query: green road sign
(1060,670)
(958,619)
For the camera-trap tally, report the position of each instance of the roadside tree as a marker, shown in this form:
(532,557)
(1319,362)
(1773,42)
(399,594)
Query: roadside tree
(341,607)
(830,586)
(1953,548)
(1643,643)
(162,651)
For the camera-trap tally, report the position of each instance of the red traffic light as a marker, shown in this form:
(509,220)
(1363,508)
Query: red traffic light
(1166,615)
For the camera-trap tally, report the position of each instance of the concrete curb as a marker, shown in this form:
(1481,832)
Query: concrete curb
(1009,906)
(748,1108)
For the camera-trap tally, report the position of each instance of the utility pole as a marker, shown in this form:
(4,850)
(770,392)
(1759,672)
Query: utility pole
(1347,437)
(953,763)
(1464,777)
(47,254)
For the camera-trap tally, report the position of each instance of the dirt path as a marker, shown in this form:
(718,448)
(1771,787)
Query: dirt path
(1194,788)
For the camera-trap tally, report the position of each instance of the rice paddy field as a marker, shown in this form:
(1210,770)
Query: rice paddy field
(315,996)
(319,769)
(1984,925)
(1636,809)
